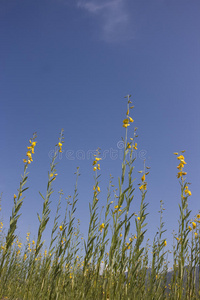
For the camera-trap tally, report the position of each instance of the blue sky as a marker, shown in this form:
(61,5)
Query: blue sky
(69,64)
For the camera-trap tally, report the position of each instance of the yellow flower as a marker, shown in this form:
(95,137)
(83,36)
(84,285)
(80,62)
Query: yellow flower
(143,178)
(198,216)
(15,196)
(135,146)
(187,192)
(94,162)
(196,235)
(165,243)
(180,166)
(94,169)
(190,228)
(126,125)
(61,228)
(176,153)
(182,159)
(120,234)
(28,153)
(128,145)
(98,167)
(138,218)
(126,121)
(98,158)
(131,120)
(60,147)
(98,189)
(101,227)
(24,160)
(194,225)
(143,187)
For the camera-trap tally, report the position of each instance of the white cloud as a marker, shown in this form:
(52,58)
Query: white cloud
(113,15)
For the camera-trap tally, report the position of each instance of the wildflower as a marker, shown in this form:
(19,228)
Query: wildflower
(143,187)
(190,228)
(94,169)
(143,178)
(176,153)
(165,243)
(98,167)
(101,227)
(198,216)
(24,160)
(51,175)
(98,189)
(61,228)
(187,192)
(138,218)
(126,125)
(98,158)
(60,147)
(182,159)
(94,162)
(135,146)
(125,121)
(128,145)
(33,242)
(15,196)
(131,120)
(180,166)
(194,225)
(196,235)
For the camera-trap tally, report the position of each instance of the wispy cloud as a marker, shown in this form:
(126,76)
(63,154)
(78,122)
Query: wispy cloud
(113,15)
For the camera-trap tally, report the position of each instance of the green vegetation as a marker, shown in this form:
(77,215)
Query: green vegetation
(113,262)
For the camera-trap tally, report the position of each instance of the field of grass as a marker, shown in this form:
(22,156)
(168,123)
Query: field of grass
(114,263)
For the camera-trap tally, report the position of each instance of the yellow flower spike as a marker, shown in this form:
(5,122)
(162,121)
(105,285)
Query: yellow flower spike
(194,225)
(165,243)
